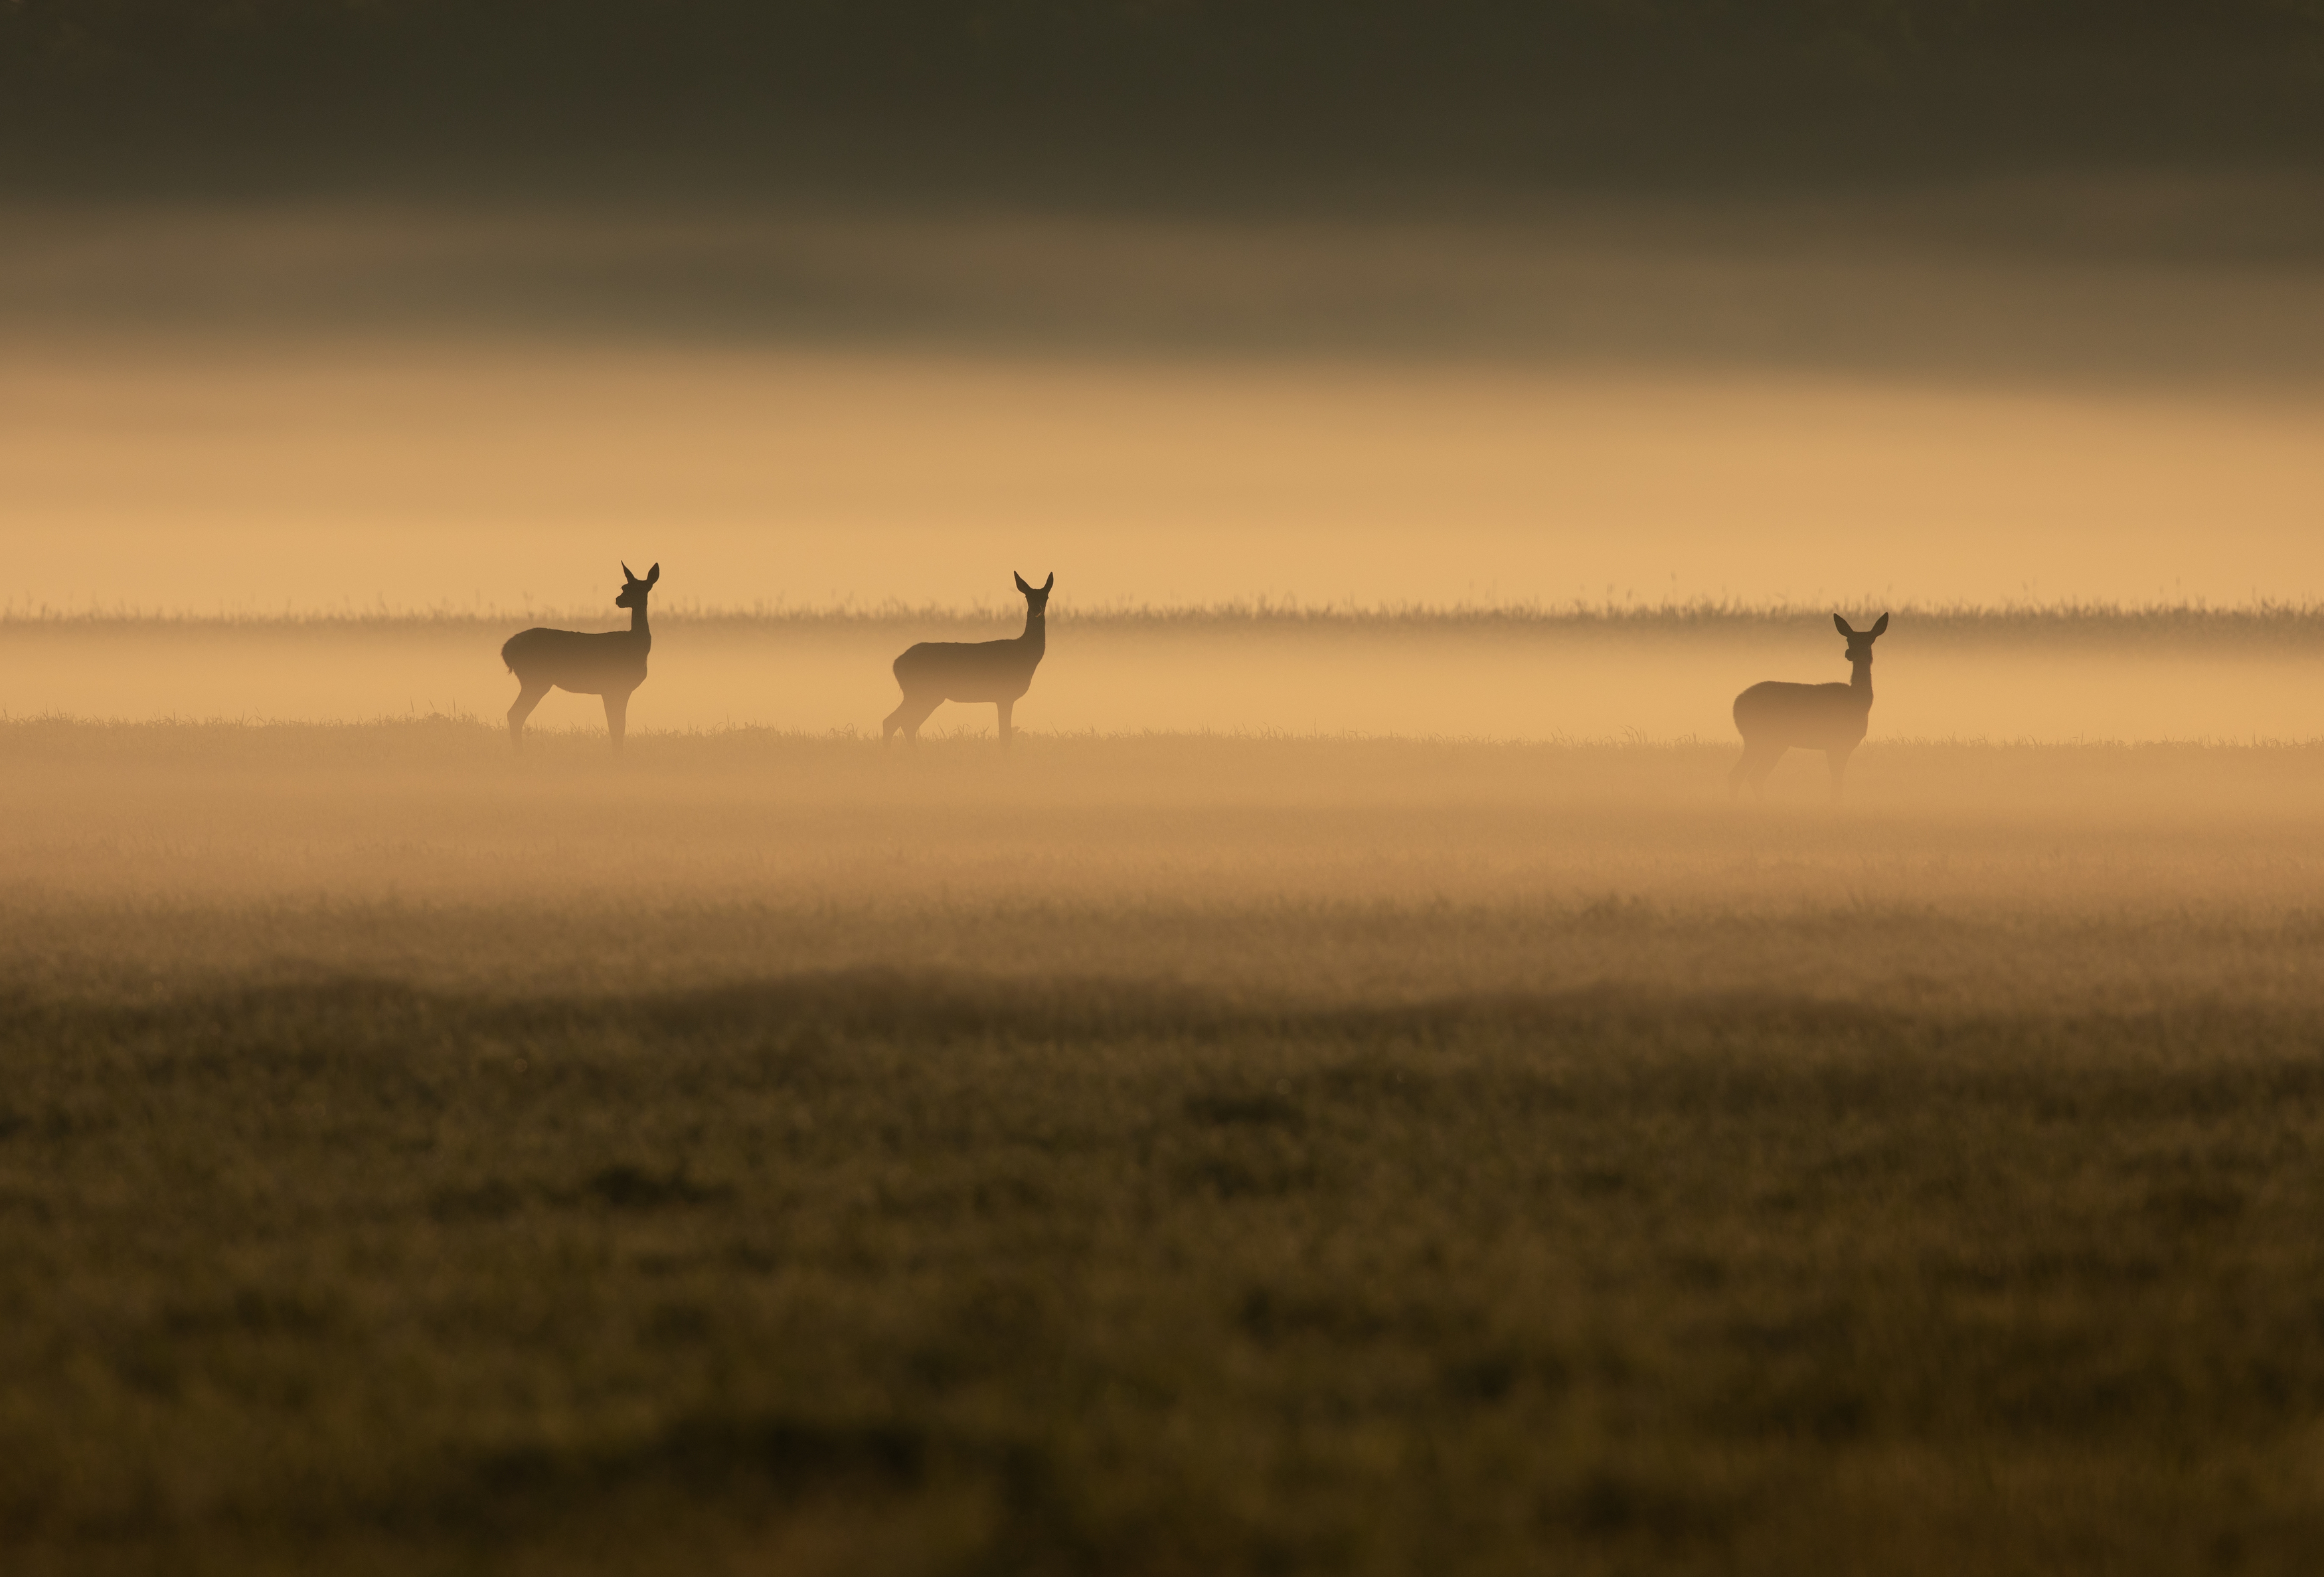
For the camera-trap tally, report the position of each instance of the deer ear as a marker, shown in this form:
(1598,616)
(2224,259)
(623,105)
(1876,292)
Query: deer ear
(1048,583)
(1880,625)
(1842,623)
(653,574)
(625,571)
(1022,587)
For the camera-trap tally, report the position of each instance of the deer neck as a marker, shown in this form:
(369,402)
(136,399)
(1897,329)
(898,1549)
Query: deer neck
(1859,682)
(1036,639)
(640,630)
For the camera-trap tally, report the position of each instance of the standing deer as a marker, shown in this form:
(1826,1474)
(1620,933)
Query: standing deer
(937,671)
(609,664)
(1774,717)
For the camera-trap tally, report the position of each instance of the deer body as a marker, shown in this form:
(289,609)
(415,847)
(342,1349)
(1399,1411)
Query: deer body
(999,671)
(609,664)
(1775,716)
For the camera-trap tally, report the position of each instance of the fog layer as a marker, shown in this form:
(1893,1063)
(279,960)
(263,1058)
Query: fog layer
(1652,678)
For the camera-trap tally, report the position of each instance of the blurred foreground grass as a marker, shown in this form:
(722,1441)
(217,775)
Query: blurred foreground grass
(1153,1155)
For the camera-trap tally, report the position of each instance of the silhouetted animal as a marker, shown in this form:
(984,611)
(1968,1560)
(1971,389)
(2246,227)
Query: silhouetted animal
(1775,717)
(609,664)
(937,671)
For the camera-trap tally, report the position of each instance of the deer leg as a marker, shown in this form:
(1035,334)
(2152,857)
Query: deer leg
(617,715)
(1007,707)
(1768,757)
(912,714)
(1742,770)
(1838,761)
(527,698)
(909,714)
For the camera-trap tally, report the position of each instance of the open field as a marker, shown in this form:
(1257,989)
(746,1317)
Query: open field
(2236,675)
(1153,1153)
(1348,1092)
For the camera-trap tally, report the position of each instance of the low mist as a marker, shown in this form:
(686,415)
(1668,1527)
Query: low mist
(2190,677)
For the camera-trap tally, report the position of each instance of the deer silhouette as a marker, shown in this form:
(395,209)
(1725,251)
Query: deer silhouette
(611,665)
(1774,717)
(1000,671)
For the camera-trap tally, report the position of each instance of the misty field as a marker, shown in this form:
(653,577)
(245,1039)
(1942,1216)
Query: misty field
(1594,672)
(1154,1153)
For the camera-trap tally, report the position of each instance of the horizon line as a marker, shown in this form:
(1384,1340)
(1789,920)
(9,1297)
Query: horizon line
(1243,610)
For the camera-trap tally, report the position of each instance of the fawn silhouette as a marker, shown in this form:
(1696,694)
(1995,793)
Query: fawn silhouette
(1774,717)
(611,665)
(1000,671)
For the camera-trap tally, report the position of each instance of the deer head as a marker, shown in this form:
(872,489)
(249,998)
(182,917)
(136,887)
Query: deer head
(633,590)
(1859,642)
(1036,598)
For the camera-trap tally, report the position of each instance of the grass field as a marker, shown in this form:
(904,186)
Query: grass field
(1153,1154)
(1504,673)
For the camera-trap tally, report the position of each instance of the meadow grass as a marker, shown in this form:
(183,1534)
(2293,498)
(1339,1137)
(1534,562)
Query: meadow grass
(1153,1155)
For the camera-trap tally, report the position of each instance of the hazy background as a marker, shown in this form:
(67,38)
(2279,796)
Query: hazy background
(325,409)
(1135,100)
(420,308)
